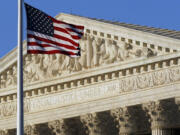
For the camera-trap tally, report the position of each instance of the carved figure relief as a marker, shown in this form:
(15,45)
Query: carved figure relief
(3,81)
(95,51)
(83,58)
(10,78)
(96,43)
(8,109)
(31,68)
(124,51)
(122,85)
(110,52)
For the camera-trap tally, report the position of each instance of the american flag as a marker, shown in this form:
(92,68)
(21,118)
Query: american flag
(46,35)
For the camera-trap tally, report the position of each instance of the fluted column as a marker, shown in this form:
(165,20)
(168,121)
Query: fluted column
(31,130)
(123,117)
(58,127)
(161,132)
(91,124)
(157,116)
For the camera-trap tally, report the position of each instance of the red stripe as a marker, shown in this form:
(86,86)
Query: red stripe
(76,37)
(71,30)
(65,31)
(50,52)
(51,42)
(66,39)
(45,45)
(61,30)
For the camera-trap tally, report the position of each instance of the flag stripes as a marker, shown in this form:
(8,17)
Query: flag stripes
(51,40)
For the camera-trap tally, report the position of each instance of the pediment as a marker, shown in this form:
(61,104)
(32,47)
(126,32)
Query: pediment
(102,46)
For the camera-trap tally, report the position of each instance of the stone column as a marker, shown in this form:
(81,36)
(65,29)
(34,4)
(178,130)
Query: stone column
(91,124)
(31,130)
(123,118)
(158,119)
(58,127)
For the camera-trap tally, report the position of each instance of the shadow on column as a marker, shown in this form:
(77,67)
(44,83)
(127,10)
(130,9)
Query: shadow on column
(107,124)
(43,129)
(75,126)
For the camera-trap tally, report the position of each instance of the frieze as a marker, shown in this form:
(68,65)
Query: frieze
(10,108)
(96,91)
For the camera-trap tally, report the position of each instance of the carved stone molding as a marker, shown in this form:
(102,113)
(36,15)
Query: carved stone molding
(117,86)
(58,127)
(91,124)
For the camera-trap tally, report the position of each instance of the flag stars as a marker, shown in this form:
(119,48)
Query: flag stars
(39,22)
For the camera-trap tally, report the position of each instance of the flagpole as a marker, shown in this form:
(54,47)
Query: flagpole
(20,110)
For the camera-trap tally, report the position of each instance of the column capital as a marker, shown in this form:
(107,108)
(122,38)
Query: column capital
(91,123)
(157,114)
(58,127)
(31,130)
(123,117)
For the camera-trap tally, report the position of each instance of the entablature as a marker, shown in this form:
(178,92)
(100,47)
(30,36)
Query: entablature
(157,66)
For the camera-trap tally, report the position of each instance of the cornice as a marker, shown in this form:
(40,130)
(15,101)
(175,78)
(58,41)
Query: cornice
(121,31)
(114,31)
(11,58)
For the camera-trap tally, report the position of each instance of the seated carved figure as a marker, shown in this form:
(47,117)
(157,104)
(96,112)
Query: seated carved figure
(31,68)
(124,51)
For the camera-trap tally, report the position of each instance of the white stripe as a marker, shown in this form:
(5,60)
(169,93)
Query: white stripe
(42,48)
(47,49)
(64,26)
(50,38)
(53,46)
(66,35)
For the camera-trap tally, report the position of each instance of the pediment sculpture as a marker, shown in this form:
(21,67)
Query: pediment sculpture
(95,52)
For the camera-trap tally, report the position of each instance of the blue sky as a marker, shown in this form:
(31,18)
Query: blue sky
(155,13)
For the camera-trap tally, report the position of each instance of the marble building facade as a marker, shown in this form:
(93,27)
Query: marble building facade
(126,82)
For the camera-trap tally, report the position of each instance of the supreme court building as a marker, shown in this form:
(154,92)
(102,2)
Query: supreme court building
(126,82)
